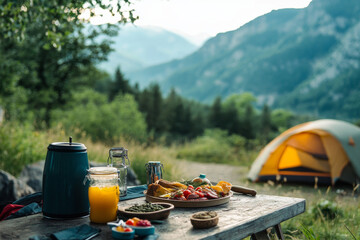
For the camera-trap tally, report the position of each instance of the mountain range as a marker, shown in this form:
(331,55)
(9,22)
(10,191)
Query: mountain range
(137,47)
(305,60)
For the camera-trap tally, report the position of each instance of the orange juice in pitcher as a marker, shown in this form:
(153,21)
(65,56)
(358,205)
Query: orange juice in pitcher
(103,194)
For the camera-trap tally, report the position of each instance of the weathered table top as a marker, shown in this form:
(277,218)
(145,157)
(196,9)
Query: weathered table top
(241,217)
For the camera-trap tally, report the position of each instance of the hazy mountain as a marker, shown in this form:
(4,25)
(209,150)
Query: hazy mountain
(138,47)
(307,60)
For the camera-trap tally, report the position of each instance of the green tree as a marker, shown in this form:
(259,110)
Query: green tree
(156,108)
(230,120)
(180,118)
(170,104)
(92,114)
(241,102)
(151,104)
(94,78)
(198,125)
(247,129)
(243,121)
(120,85)
(45,49)
(216,113)
(17,16)
(265,126)
(282,119)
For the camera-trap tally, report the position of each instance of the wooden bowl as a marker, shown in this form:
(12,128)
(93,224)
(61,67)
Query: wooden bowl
(204,223)
(156,215)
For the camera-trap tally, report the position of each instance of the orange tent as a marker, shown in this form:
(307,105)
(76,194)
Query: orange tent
(322,151)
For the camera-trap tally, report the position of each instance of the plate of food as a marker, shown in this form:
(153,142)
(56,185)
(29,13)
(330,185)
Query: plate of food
(188,193)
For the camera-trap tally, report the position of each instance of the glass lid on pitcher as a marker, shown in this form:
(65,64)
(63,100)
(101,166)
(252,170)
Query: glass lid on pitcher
(102,170)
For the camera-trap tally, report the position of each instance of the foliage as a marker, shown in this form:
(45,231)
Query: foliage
(90,113)
(208,148)
(335,98)
(309,233)
(18,16)
(326,209)
(240,101)
(236,115)
(151,104)
(20,145)
(120,85)
(265,124)
(172,118)
(215,113)
(218,147)
(282,119)
(43,49)
(340,223)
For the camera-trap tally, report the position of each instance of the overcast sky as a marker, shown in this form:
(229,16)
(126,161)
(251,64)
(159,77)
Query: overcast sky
(201,19)
(198,20)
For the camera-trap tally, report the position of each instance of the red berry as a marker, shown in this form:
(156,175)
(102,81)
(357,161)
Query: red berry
(144,223)
(130,222)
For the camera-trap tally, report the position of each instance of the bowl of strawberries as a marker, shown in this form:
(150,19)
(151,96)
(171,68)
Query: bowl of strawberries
(142,227)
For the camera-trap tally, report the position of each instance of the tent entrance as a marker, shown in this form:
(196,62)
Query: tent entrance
(296,165)
(296,158)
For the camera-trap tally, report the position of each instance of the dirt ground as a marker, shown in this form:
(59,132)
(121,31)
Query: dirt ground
(214,171)
(237,175)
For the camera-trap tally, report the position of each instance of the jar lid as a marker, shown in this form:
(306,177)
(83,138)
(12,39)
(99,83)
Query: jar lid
(67,146)
(102,170)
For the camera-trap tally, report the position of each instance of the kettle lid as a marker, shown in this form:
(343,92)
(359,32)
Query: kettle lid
(67,146)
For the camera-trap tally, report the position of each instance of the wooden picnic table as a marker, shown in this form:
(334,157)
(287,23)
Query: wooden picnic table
(243,216)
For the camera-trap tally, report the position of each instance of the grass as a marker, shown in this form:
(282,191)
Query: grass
(330,213)
(216,147)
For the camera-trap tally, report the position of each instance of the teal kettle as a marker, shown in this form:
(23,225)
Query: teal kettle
(65,193)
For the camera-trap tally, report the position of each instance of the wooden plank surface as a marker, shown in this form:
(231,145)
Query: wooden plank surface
(241,217)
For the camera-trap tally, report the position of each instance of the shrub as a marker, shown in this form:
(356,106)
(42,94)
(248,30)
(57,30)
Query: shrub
(208,148)
(102,121)
(327,209)
(20,145)
(217,147)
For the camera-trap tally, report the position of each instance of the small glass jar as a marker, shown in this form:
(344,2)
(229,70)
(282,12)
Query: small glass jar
(118,158)
(154,170)
(103,194)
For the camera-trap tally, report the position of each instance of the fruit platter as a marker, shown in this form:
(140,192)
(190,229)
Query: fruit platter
(189,193)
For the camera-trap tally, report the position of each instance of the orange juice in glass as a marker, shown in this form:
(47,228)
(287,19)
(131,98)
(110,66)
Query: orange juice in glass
(103,194)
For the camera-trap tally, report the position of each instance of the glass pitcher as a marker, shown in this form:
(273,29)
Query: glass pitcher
(103,194)
(118,158)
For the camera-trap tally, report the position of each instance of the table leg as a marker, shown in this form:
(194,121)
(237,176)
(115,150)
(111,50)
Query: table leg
(264,236)
(279,233)
(260,235)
